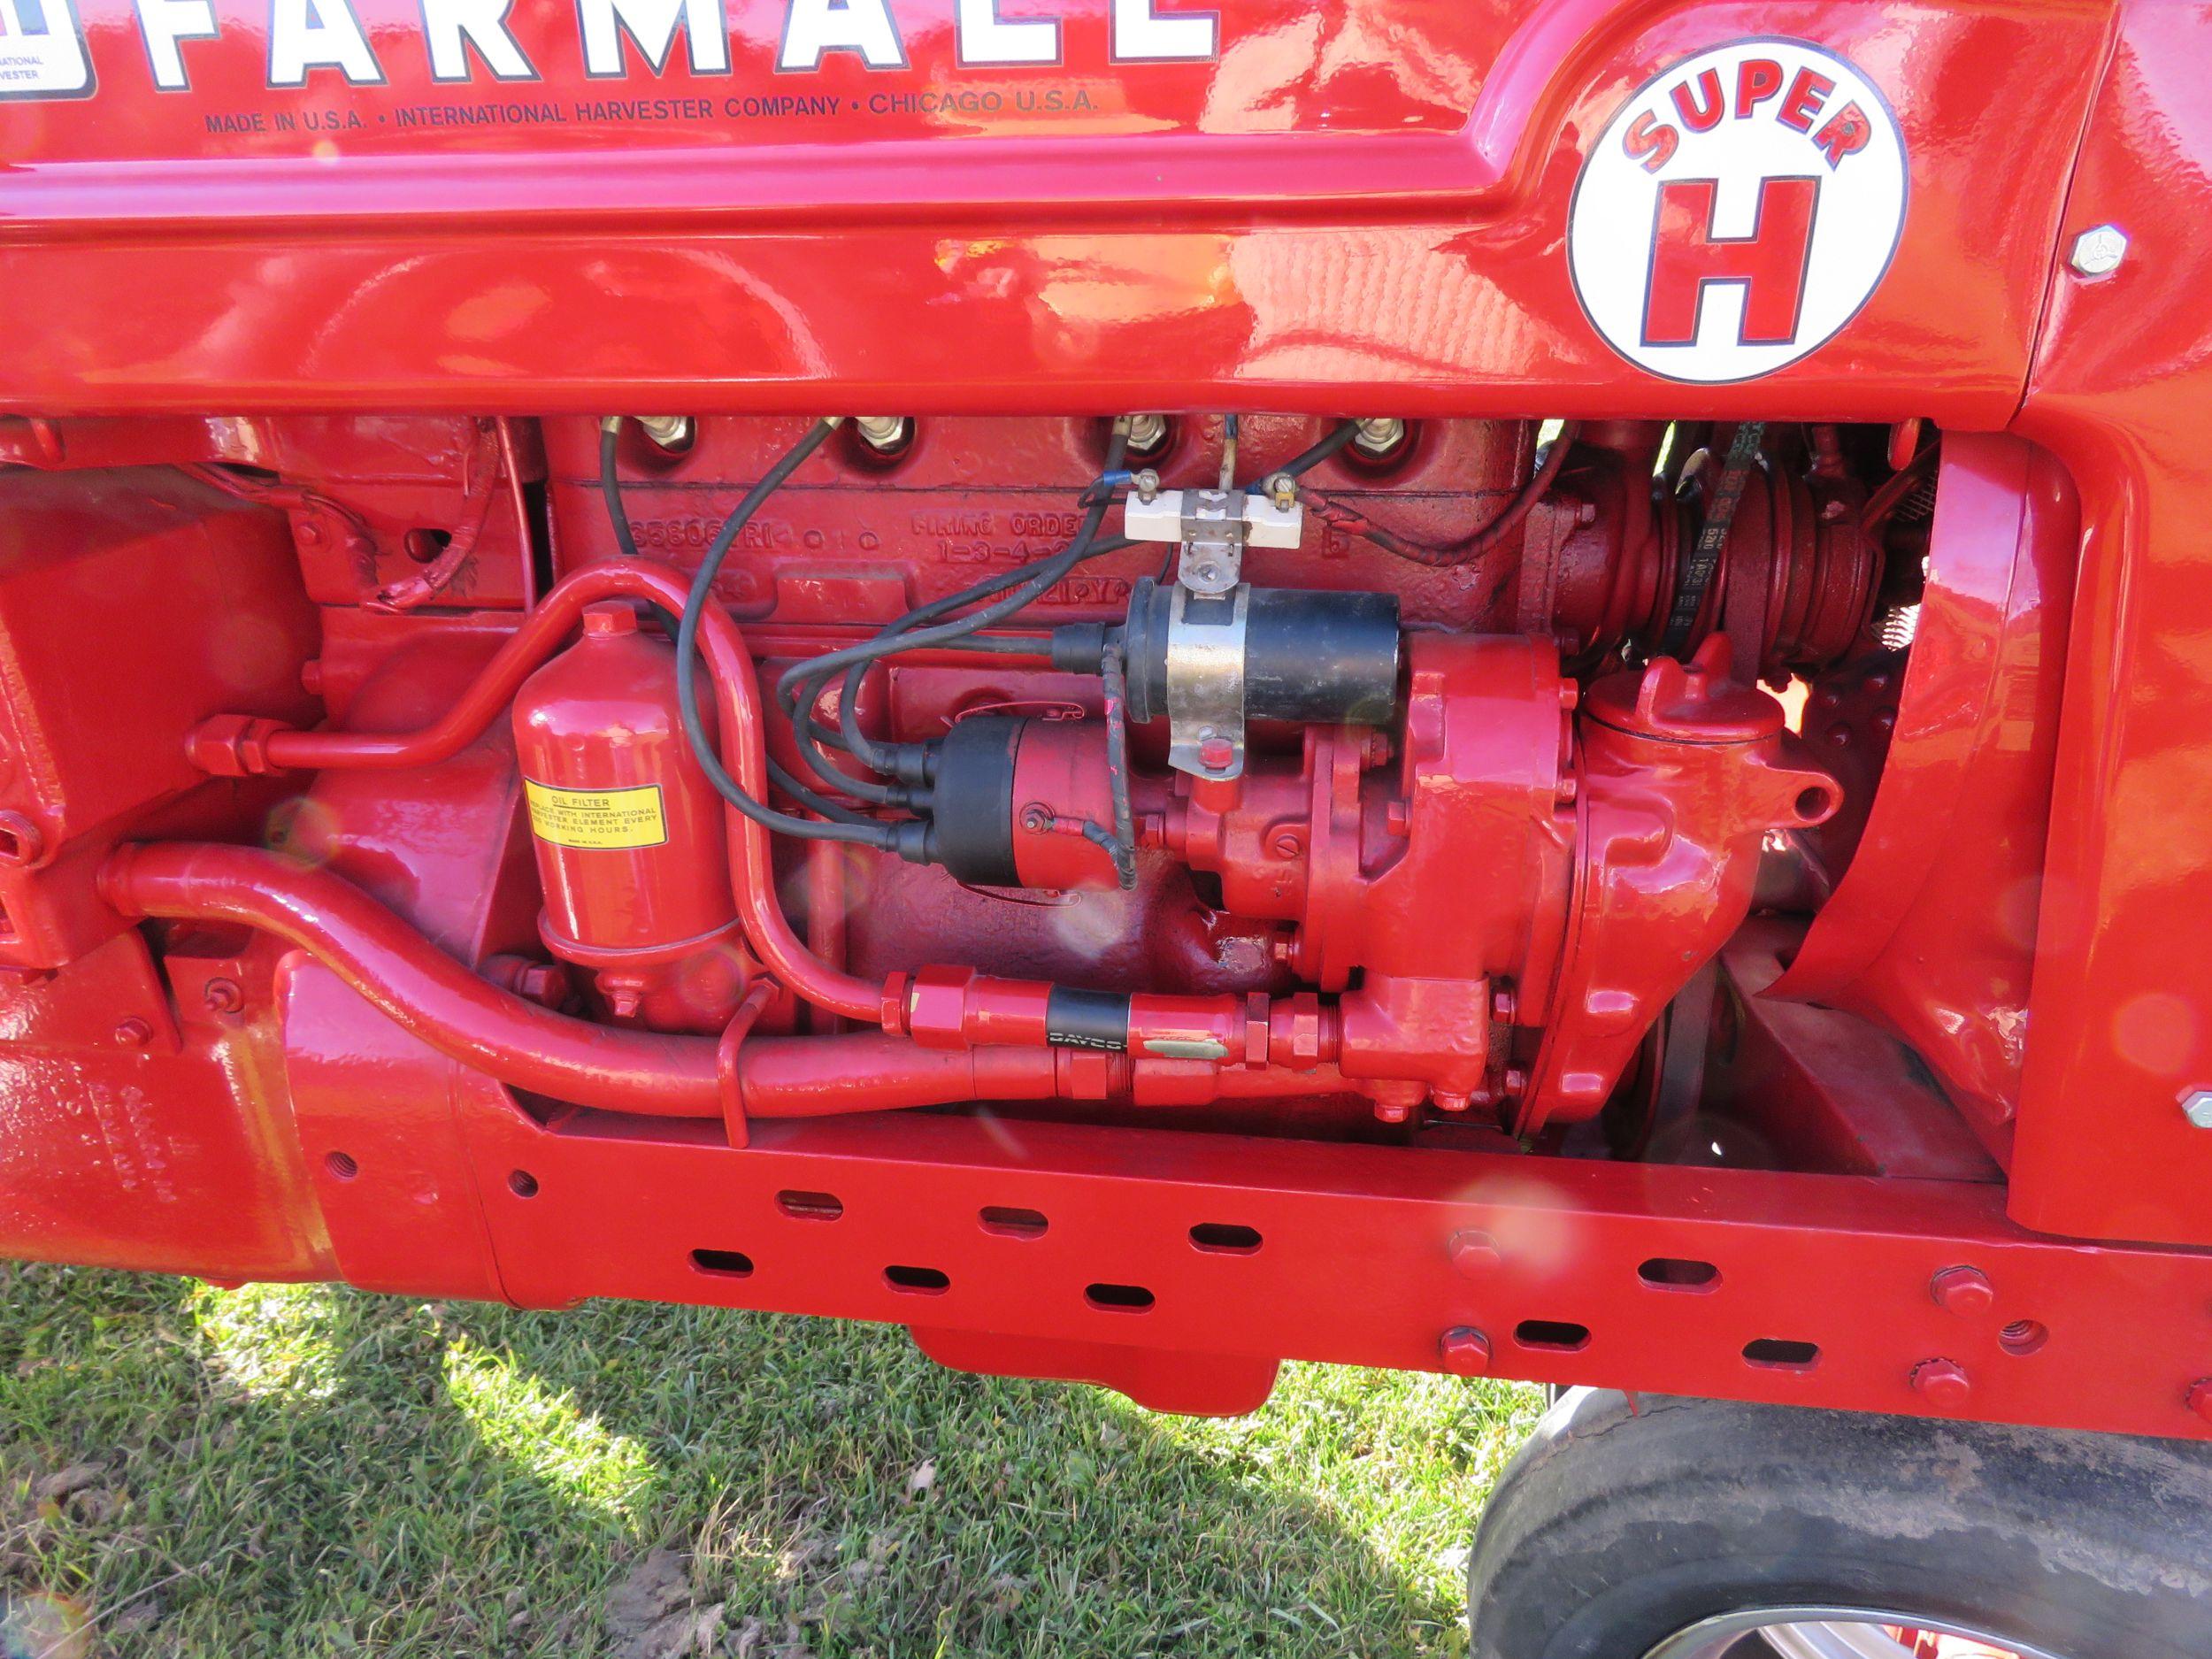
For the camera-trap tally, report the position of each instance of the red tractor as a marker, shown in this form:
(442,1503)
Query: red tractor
(1522,689)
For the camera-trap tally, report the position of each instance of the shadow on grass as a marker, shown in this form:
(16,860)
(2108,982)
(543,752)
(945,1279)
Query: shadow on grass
(311,1471)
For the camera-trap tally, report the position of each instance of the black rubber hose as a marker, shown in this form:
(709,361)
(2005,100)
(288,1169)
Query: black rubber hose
(799,688)
(672,626)
(610,488)
(907,633)
(868,832)
(1299,465)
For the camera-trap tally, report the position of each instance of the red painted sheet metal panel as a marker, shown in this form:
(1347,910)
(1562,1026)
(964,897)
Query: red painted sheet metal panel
(2120,1019)
(1348,198)
(1355,1258)
(1931,930)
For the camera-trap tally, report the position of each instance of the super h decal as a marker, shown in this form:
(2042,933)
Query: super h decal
(1738,210)
(43,51)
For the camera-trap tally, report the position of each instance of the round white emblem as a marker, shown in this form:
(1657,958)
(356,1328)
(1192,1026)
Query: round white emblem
(1738,210)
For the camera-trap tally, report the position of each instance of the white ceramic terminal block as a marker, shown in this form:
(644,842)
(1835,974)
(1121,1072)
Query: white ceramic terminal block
(1161,519)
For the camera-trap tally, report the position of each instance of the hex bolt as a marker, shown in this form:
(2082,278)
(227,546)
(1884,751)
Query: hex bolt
(1465,1351)
(1474,1252)
(1036,820)
(883,433)
(2098,251)
(2196,1106)
(1379,436)
(1942,1383)
(1147,433)
(1216,753)
(670,432)
(544,983)
(1962,1290)
(2201,1398)
(134,1033)
(222,997)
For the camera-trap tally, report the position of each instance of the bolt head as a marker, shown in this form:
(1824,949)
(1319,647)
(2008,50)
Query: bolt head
(545,983)
(2196,1106)
(1942,1383)
(1147,433)
(134,1033)
(668,432)
(1379,434)
(2098,251)
(1474,1253)
(1965,1290)
(881,433)
(1465,1351)
(1216,753)
(2201,1398)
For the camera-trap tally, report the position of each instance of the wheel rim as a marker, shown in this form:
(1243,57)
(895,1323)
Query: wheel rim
(1830,1632)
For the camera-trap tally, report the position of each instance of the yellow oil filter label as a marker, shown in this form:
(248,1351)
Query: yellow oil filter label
(597,820)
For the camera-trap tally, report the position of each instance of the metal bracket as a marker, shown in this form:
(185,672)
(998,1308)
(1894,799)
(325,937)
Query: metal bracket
(1213,535)
(1205,682)
(1214,527)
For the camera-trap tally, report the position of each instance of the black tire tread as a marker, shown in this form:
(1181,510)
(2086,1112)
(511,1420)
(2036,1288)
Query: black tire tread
(1621,1523)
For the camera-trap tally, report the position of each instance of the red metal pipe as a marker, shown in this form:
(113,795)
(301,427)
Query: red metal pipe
(426,992)
(440,1001)
(231,747)
(525,532)
(826,916)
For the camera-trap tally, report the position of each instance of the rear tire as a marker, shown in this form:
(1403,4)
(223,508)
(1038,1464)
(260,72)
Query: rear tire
(1616,1529)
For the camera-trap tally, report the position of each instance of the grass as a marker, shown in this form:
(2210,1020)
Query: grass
(309,1471)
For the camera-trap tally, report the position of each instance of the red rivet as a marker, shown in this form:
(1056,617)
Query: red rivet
(1465,1351)
(2201,1398)
(1942,1383)
(1474,1252)
(1964,1290)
